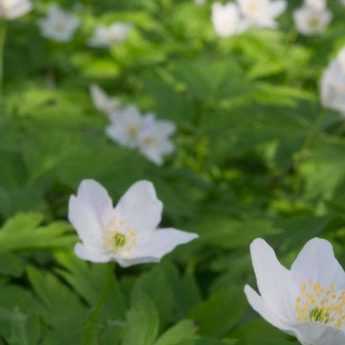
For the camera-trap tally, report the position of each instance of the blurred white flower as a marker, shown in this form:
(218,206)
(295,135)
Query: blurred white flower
(154,139)
(106,36)
(12,9)
(130,128)
(307,301)
(226,19)
(102,101)
(333,84)
(262,13)
(312,18)
(127,233)
(59,24)
(126,125)
(200,2)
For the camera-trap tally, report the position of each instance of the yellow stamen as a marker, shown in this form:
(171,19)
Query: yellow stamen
(319,304)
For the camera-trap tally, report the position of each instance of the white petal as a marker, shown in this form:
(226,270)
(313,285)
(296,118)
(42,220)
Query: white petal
(90,254)
(226,19)
(153,154)
(165,127)
(140,207)
(96,196)
(84,220)
(318,334)
(162,242)
(317,263)
(274,281)
(259,306)
(268,23)
(15,9)
(318,5)
(131,262)
(126,124)
(278,7)
(98,96)
(102,101)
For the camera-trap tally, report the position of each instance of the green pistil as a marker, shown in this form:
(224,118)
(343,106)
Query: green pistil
(319,315)
(119,240)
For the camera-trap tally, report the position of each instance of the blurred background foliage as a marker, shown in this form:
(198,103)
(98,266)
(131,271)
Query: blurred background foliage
(257,156)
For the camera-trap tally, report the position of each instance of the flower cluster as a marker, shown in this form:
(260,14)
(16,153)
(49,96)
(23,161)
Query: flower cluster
(235,17)
(309,301)
(313,17)
(61,25)
(130,128)
(127,233)
(333,84)
(11,9)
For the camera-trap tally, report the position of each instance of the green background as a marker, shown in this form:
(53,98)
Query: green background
(256,156)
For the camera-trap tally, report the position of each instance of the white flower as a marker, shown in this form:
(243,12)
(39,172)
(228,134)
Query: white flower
(59,25)
(125,127)
(312,19)
(150,136)
(102,101)
(199,2)
(106,36)
(333,84)
(307,301)
(127,233)
(226,19)
(262,13)
(154,139)
(12,9)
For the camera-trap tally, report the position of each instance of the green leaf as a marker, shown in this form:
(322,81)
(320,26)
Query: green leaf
(18,315)
(89,280)
(172,294)
(11,265)
(23,329)
(97,284)
(62,309)
(183,331)
(209,315)
(142,323)
(24,232)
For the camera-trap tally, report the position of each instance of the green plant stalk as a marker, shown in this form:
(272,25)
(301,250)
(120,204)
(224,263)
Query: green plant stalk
(2,51)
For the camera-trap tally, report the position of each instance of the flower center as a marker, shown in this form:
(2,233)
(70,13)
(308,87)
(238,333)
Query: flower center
(150,141)
(324,305)
(60,25)
(314,22)
(133,131)
(119,238)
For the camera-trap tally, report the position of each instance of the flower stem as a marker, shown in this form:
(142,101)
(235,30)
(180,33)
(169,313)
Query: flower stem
(2,50)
